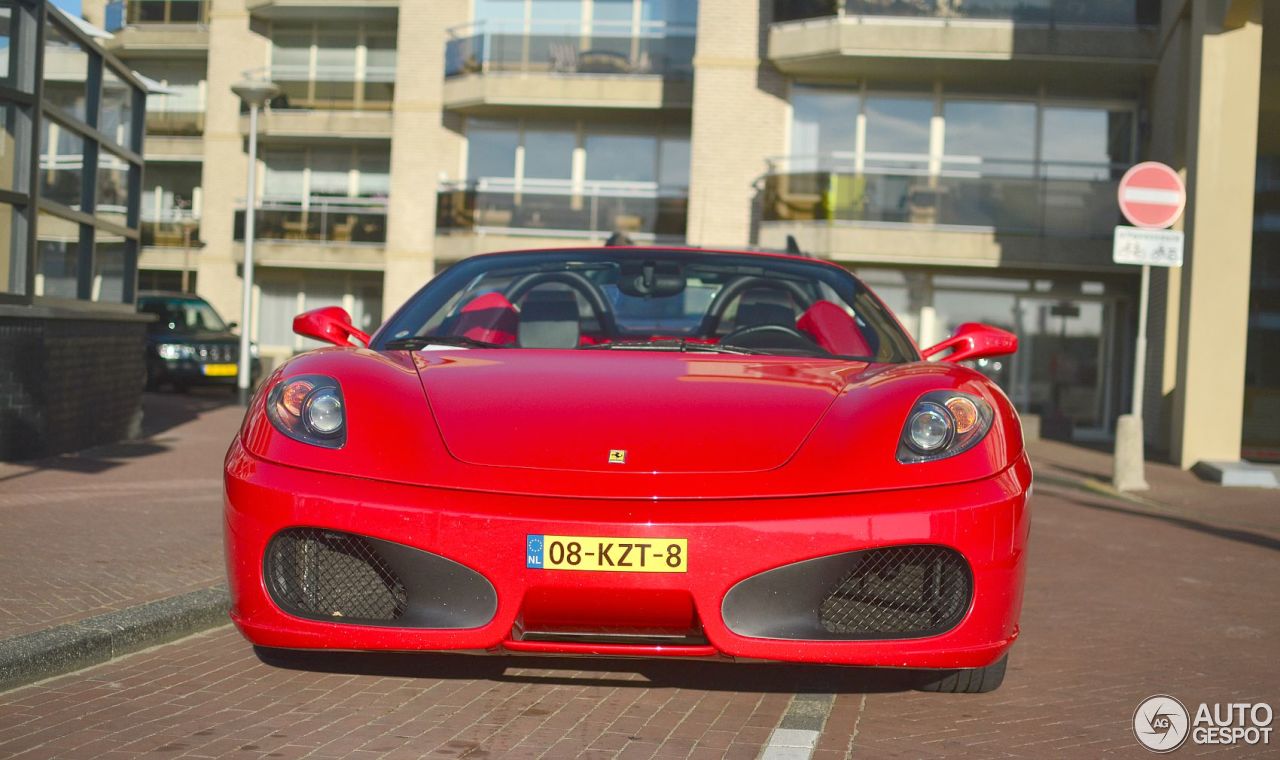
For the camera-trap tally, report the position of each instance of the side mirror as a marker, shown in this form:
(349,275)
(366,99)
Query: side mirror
(332,324)
(974,340)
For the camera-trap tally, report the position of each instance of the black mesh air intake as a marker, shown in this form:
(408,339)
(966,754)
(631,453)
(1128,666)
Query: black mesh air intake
(329,575)
(899,591)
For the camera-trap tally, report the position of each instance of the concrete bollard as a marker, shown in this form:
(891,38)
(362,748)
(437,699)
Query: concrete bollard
(1129,465)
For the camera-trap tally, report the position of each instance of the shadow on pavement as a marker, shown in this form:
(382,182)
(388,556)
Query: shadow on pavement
(1231,534)
(682,674)
(161,412)
(165,411)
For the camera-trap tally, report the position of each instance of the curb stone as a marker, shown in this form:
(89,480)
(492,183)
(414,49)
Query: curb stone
(73,646)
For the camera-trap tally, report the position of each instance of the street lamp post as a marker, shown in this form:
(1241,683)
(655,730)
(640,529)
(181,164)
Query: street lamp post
(255,94)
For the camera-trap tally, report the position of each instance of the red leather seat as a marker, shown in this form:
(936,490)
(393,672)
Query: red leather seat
(489,317)
(833,329)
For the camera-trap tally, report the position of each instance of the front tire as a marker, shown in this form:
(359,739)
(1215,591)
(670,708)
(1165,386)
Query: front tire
(968,681)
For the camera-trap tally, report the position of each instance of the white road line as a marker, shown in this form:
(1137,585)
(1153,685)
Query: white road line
(790,744)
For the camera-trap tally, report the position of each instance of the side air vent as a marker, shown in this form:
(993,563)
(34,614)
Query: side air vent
(326,574)
(897,592)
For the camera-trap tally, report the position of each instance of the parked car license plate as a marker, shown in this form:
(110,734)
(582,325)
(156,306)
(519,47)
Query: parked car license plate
(605,554)
(219,370)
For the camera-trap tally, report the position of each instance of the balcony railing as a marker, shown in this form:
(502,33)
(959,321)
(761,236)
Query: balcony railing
(1042,12)
(556,209)
(171,228)
(620,48)
(319,220)
(334,88)
(175,122)
(1072,200)
(122,13)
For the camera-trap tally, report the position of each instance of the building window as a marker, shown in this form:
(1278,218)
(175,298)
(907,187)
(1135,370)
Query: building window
(294,174)
(285,293)
(67,221)
(61,164)
(116,119)
(571,178)
(57,257)
(322,66)
(6,39)
(973,147)
(66,72)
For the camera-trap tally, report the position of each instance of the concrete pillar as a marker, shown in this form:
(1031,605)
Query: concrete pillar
(740,114)
(1222,135)
(426,143)
(233,49)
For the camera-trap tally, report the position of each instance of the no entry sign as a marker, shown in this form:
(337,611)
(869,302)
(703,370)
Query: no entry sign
(1152,195)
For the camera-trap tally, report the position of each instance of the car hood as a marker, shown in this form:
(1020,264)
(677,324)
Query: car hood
(637,411)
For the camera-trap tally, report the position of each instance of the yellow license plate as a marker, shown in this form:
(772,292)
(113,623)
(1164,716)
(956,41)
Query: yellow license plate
(219,370)
(603,554)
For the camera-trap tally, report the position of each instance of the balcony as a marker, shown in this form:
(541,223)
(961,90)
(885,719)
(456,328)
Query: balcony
(329,10)
(553,209)
(175,122)
(171,228)
(906,39)
(158,27)
(318,232)
(491,67)
(320,220)
(1009,213)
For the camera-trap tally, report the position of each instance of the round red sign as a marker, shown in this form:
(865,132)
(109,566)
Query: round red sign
(1152,195)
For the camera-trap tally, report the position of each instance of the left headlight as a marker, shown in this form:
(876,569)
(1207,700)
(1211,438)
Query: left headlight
(943,424)
(309,408)
(175,351)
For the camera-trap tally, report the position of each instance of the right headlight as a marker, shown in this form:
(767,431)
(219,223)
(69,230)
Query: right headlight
(943,424)
(309,408)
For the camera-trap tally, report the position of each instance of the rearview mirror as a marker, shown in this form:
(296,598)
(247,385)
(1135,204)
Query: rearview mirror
(332,324)
(974,340)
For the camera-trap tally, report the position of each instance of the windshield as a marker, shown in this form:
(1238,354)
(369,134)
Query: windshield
(639,299)
(181,315)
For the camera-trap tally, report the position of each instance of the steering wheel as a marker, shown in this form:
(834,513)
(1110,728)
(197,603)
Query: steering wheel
(773,337)
(711,320)
(595,299)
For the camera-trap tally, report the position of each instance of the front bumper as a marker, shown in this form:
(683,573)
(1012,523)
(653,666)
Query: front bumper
(193,372)
(728,541)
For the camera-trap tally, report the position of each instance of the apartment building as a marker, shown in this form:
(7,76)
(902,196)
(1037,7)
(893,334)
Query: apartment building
(961,155)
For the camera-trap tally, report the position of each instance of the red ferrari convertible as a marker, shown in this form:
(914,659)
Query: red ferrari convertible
(636,452)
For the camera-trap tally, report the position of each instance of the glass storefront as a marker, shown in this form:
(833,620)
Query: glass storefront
(1073,359)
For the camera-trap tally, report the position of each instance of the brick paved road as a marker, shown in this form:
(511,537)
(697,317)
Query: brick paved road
(76,525)
(1124,601)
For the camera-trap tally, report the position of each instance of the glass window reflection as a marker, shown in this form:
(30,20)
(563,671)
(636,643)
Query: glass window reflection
(57,256)
(116,120)
(61,164)
(824,125)
(1087,143)
(990,137)
(112,196)
(108,267)
(66,72)
(898,132)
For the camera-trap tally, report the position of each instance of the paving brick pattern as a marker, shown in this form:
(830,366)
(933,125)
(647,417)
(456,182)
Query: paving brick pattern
(118,525)
(1124,600)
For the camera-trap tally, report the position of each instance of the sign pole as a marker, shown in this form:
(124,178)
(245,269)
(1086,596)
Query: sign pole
(1140,349)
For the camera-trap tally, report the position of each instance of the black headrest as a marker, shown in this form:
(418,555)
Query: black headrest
(764,307)
(549,319)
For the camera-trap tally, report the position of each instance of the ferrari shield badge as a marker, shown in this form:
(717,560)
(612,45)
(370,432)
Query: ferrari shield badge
(617,456)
